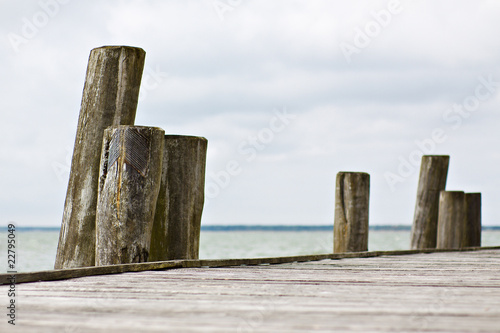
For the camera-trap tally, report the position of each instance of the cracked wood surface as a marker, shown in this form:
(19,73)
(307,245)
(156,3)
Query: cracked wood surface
(439,291)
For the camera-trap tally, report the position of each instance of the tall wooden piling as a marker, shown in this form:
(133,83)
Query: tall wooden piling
(176,229)
(129,182)
(432,180)
(109,98)
(451,220)
(472,233)
(352,196)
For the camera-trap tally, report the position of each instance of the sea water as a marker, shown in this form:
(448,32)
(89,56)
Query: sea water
(36,250)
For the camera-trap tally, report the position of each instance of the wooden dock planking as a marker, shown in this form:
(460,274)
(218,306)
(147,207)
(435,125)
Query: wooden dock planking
(71,273)
(441,291)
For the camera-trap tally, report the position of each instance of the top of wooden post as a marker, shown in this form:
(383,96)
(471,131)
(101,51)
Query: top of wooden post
(434,180)
(185,137)
(119,47)
(353,172)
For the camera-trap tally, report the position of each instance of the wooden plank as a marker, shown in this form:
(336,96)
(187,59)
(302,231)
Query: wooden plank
(161,265)
(439,291)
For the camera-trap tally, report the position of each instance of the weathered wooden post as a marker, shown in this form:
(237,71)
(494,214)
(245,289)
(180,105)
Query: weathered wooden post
(432,180)
(129,182)
(109,98)
(472,234)
(176,229)
(451,220)
(352,196)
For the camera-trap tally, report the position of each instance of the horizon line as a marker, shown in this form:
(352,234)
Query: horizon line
(263,227)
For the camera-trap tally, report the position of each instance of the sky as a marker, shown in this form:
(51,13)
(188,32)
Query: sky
(288,94)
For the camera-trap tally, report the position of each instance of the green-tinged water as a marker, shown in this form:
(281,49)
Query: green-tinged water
(36,250)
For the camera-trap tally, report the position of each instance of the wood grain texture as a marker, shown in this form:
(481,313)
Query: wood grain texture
(451,220)
(472,233)
(352,200)
(129,182)
(110,97)
(139,267)
(177,221)
(439,291)
(432,180)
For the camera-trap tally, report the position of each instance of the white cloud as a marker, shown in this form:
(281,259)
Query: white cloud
(223,79)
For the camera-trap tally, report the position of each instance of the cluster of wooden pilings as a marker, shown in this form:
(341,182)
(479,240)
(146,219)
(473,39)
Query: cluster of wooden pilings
(134,193)
(443,219)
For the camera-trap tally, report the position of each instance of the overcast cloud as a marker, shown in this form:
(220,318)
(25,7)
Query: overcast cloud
(291,92)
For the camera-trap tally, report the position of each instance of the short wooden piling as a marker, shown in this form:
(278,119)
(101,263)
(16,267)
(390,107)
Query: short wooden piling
(129,182)
(109,98)
(176,229)
(352,196)
(451,220)
(472,234)
(432,180)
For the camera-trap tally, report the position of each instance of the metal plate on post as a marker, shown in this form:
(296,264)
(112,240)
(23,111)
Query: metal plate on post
(114,148)
(136,151)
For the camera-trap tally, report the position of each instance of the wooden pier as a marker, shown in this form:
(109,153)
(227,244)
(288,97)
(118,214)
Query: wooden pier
(401,291)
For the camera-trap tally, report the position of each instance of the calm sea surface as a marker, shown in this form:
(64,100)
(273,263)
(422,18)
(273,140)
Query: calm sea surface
(36,250)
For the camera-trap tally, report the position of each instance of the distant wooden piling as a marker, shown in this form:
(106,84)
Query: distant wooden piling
(109,98)
(176,230)
(472,233)
(352,196)
(451,220)
(432,180)
(129,182)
